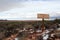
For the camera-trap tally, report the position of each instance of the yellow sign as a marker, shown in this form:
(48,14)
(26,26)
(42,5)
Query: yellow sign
(46,16)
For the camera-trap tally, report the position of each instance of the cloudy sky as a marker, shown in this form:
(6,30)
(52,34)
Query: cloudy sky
(28,9)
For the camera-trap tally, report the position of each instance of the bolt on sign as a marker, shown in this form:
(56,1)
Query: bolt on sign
(46,16)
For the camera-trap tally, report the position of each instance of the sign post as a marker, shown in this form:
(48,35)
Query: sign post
(43,16)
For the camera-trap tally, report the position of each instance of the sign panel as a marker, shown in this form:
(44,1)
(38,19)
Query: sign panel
(46,16)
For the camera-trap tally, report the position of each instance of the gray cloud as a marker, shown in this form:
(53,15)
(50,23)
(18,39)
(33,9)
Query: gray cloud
(9,4)
(19,9)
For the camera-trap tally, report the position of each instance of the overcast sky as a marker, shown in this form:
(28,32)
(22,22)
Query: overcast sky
(28,9)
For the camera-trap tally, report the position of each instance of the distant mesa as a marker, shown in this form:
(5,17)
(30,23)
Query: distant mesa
(3,19)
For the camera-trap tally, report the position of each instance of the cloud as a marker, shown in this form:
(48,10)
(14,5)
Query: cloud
(9,4)
(28,9)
